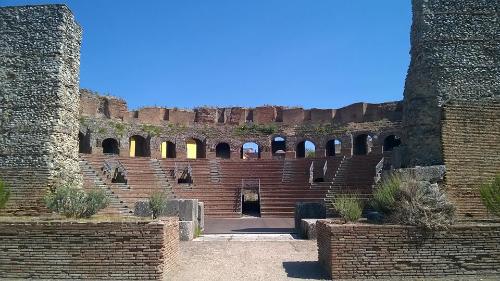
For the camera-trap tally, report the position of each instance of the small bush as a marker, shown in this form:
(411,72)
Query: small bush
(349,207)
(158,203)
(74,202)
(423,204)
(490,194)
(4,194)
(384,198)
(198,232)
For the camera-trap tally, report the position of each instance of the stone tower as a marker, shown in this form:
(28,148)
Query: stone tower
(39,100)
(455,55)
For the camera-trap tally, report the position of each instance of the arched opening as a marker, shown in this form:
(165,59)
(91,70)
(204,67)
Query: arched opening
(110,146)
(139,147)
(278,144)
(306,149)
(250,150)
(84,143)
(223,150)
(195,149)
(168,150)
(391,142)
(362,144)
(333,147)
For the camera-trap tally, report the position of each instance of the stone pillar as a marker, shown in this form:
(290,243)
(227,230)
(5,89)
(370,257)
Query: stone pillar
(39,102)
(454,52)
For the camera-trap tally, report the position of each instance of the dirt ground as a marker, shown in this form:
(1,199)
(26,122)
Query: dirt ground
(253,259)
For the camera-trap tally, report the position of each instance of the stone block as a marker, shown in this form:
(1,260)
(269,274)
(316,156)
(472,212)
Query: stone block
(186,230)
(293,115)
(141,209)
(308,229)
(201,215)
(308,210)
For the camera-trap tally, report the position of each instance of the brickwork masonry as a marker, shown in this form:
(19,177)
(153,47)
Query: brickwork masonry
(65,250)
(362,251)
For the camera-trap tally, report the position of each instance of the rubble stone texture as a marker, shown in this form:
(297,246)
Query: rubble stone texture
(39,102)
(455,56)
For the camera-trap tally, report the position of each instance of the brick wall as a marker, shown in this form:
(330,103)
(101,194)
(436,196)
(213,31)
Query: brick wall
(471,149)
(364,251)
(89,250)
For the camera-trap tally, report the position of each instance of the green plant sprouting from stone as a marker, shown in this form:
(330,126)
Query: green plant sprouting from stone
(4,194)
(152,130)
(157,203)
(349,207)
(74,202)
(120,129)
(490,195)
(256,129)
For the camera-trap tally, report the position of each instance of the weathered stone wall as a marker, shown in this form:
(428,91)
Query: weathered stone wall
(39,102)
(65,250)
(471,149)
(455,51)
(389,251)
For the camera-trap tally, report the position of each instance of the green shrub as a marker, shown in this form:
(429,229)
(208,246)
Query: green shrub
(158,203)
(349,207)
(4,194)
(490,194)
(384,197)
(198,232)
(74,202)
(422,204)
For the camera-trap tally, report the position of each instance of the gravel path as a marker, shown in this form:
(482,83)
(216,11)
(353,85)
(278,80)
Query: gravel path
(249,260)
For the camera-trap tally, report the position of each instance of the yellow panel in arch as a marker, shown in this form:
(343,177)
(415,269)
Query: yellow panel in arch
(164,149)
(191,149)
(132,147)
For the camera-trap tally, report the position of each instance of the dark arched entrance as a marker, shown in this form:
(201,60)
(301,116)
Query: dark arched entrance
(361,146)
(84,143)
(110,146)
(391,142)
(139,147)
(306,149)
(333,147)
(278,143)
(223,150)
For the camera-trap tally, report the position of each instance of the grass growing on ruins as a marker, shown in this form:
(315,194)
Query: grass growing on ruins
(490,194)
(74,202)
(152,130)
(349,207)
(407,201)
(256,129)
(4,194)
(157,203)
(384,197)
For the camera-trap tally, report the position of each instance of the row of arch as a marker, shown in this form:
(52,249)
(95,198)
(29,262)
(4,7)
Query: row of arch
(195,148)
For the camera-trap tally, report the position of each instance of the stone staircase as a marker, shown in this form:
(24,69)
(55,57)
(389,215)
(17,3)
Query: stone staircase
(355,176)
(215,173)
(93,180)
(162,178)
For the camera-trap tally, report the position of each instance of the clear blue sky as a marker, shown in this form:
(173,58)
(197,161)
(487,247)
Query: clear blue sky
(187,53)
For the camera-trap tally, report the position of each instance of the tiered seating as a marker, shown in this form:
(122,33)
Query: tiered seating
(355,176)
(141,178)
(283,183)
(219,200)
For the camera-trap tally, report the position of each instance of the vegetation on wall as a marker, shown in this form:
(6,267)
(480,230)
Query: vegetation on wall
(349,207)
(73,202)
(152,130)
(490,194)
(407,201)
(256,129)
(4,194)
(120,128)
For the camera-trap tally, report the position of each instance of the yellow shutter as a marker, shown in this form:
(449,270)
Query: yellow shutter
(132,148)
(191,149)
(164,149)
